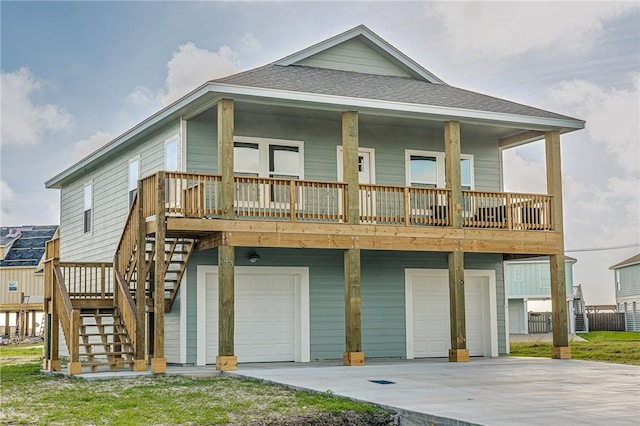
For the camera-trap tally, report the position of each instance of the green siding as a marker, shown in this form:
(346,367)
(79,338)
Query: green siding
(110,200)
(354,55)
(535,279)
(383,298)
(322,136)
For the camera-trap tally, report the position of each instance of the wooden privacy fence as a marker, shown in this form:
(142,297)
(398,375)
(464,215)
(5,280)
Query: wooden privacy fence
(606,321)
(539,322)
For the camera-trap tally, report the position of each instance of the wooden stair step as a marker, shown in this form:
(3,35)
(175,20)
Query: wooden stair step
(107,363)
(106,353)
(116,333)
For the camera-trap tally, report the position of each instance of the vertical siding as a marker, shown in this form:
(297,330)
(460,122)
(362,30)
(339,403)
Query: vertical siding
(29,283)
(383,299)
(110,201)
(536,279)
(354,55)
(172,332)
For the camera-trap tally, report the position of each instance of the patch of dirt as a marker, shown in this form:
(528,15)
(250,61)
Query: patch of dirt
(345,418)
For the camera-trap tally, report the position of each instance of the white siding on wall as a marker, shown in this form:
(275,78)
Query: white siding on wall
(110,201)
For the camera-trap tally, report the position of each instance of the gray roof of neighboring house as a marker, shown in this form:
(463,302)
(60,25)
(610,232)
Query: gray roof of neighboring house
(324,81)
(27,248)
(633,260)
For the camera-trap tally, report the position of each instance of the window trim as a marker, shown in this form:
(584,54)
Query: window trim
(175,138)
(263,152)
(91,208)
(440,164)
(135,184)
(14,288)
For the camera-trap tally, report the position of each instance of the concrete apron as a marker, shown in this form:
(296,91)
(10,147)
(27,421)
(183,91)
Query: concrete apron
(499,391)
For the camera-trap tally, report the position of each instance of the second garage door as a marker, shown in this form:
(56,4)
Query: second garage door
(430,334)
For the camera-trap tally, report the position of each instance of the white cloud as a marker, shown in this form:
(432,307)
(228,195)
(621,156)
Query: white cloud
(611,116)
(23,122)
(249,43)
(85,147)
(190,67)
(504,29)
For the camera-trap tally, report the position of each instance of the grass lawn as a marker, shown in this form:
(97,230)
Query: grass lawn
(621,347)
(26,396)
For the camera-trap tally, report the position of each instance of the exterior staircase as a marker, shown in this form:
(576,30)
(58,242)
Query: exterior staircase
(580,310)
(104,340)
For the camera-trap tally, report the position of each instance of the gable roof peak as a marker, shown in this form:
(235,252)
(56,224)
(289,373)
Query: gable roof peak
(375,42)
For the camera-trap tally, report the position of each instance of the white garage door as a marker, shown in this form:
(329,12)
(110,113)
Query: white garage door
(267,315)
(430,311)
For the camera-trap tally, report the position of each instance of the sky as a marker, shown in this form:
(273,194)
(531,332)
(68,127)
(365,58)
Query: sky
(77,74)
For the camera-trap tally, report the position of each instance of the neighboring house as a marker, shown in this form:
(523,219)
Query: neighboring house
(627,281)
(338,202)
(529,280)
(21,275)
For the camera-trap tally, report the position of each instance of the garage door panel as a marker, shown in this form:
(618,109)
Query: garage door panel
(265,310)
(431,319)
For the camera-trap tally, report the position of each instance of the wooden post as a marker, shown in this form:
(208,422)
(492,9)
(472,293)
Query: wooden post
(141,282)
(226,359)
(452,170)
(74,366)
(353,354)
(350,165)
(159,362)
(33,323)
(458,351)
(560,349)
(52,249)
(7,328)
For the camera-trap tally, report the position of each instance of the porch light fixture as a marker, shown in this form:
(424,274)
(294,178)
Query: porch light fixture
(254,256)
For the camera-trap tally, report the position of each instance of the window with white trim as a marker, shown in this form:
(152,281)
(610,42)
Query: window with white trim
(134,175)
(518,273)
(268,158)
(426,169)
(172,153)
(87,215)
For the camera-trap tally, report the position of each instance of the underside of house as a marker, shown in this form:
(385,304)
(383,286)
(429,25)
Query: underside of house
(342,201)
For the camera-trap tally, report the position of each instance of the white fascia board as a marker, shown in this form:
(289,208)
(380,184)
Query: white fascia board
(373,38)
(340,103)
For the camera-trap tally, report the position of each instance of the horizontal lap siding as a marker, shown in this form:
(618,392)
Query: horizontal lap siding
(110,201)
(172,331)
(629,281)
(353,55)
(382,290)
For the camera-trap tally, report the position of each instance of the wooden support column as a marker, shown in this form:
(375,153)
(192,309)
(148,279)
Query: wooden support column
(458,351)
(52,250)
(7,328)
(159,362)
(560,348)
(353,354)
(140,363)
(452,170)
(226,359)
(33,323)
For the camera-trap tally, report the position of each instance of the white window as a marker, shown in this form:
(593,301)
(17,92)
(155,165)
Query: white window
(134,175)
(518,273)
(87,216)
(268,158)
(618,279)
(13,286)
(172,154)
(426,169)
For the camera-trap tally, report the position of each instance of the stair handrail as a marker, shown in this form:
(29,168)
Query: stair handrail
(69,317)
(128,239)
(127,306)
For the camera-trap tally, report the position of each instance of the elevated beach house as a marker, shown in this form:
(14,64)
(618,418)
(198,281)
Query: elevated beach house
(338,203)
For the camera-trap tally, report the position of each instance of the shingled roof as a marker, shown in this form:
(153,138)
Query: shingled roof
(296,78)
(27,248)
(627,262)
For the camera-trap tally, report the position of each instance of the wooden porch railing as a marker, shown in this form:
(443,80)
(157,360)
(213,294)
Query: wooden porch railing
(87,280)
(196,195)
(124,258)
(126,306)
(69,317)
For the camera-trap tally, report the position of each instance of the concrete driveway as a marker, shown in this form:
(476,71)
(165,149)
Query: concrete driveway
(500,391)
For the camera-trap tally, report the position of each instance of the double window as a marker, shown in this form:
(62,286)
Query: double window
(426,169)
(87,215)
(268,158)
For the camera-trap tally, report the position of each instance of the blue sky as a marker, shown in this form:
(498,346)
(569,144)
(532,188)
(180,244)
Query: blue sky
(75,74)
